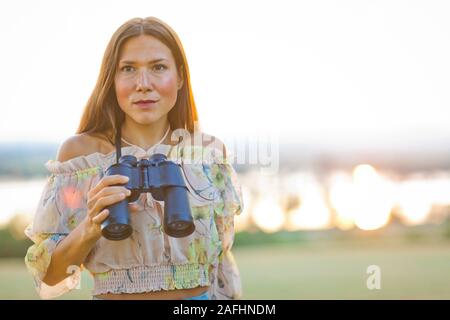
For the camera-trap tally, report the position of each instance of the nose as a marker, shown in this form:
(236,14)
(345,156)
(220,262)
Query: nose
(143,81)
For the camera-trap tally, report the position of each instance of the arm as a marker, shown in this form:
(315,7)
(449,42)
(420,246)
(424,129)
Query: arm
(228,283)
(229,280)
(73,249)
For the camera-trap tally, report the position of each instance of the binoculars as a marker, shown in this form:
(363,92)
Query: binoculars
(164,180)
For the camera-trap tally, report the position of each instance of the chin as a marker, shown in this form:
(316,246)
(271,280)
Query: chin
(147,119)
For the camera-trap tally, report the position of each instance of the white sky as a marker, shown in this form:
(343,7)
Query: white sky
(324,72)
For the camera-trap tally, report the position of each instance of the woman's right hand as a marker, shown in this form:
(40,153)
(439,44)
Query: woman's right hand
(104,194)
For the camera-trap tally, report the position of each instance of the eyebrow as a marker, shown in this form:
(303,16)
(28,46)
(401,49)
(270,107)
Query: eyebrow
(133,62)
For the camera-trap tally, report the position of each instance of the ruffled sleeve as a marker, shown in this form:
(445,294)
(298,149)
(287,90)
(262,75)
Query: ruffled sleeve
(227,282)
(61,208)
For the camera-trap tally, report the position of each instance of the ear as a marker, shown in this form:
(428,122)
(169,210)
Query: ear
(180,78)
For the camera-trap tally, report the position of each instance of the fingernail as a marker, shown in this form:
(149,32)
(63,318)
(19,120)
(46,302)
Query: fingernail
(126,178)
(128,192)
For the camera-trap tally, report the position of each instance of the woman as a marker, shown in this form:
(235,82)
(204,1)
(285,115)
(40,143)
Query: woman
(143,99)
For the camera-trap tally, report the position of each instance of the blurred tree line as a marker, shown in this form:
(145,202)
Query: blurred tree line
(25,160)
(14,243)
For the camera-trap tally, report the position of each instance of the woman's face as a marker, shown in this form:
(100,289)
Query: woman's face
(146,79)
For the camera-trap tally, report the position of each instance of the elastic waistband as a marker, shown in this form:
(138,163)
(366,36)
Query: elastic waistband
(151,278)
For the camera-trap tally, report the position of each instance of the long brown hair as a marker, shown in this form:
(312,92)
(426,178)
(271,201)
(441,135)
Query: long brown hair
(102,114)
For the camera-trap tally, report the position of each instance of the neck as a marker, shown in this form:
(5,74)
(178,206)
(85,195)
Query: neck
(145,136)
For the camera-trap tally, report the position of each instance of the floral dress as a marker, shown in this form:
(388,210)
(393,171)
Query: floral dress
(148,260)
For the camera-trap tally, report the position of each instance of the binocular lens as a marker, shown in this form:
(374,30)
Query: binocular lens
(118,228)
(117,231)
(179,226)
(180,229)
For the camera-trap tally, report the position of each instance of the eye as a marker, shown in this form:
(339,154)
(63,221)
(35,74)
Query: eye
(127,68)
(159,67)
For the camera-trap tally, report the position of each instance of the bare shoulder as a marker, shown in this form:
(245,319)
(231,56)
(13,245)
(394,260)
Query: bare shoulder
(79,145)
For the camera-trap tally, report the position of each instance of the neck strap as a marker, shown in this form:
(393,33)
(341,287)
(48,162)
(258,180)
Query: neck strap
(159,142)
(119,139)
(118,148)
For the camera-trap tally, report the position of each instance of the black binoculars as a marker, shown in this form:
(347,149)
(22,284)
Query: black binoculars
(164,180)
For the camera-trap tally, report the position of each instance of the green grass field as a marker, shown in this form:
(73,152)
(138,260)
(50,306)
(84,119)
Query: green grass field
(307,271)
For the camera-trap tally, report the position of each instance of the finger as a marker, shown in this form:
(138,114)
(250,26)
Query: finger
(107,201)
(107,181)
(99,218)
(107,191)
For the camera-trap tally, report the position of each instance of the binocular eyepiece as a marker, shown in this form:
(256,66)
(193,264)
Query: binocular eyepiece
(164,180)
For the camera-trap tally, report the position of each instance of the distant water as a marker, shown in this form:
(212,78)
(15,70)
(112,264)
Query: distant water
(19,197)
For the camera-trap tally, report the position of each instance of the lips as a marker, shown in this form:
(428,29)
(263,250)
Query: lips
(145,104)
(145,101)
